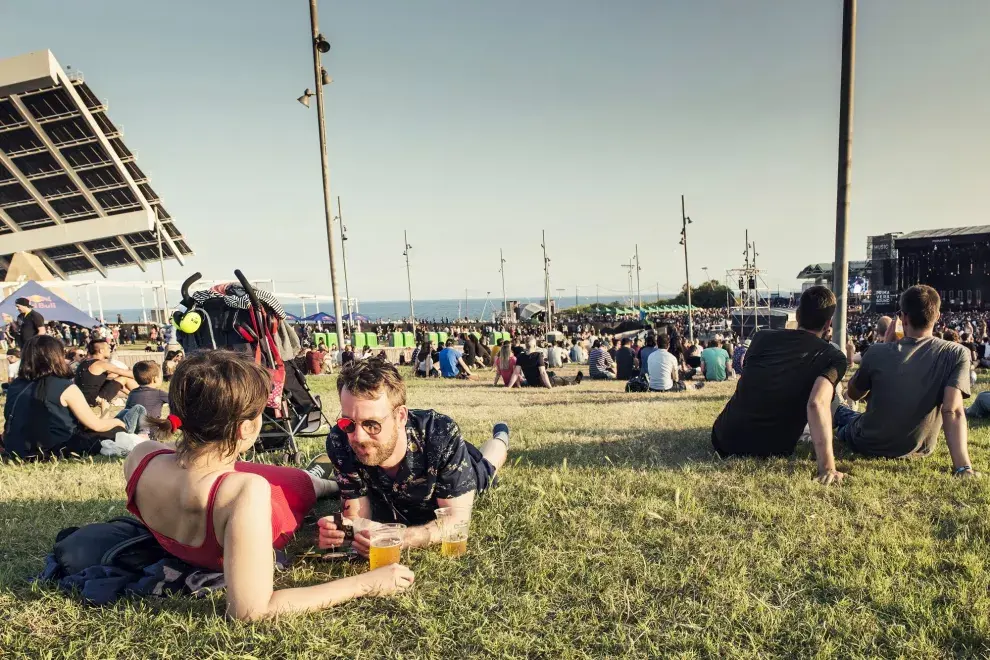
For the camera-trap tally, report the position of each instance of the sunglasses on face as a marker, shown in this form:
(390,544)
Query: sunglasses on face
(370,426)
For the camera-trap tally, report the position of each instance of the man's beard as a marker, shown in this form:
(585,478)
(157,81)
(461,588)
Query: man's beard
(379,452)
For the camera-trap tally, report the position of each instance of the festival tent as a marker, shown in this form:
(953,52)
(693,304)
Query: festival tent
(359,318)
(319,317)
(291,317)
(48,305)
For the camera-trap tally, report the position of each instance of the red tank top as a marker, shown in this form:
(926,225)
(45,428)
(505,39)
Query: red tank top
(207,555)
(292,498)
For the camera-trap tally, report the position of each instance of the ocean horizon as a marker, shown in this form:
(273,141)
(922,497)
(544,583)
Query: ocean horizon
(398,310)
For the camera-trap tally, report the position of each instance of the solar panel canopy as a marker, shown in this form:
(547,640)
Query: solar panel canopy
(71,191)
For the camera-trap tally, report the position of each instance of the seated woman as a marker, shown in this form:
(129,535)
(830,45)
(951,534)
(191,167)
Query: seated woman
(426,362)
(505,367)
(46,414)
(213,511)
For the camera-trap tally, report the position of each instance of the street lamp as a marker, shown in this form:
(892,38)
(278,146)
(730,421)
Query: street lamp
(685,221)
(320,47)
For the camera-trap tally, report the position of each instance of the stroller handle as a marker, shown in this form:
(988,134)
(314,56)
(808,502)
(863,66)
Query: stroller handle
(247,288)
(186,298)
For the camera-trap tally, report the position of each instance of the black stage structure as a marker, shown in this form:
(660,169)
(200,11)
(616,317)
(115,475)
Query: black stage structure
(955,262)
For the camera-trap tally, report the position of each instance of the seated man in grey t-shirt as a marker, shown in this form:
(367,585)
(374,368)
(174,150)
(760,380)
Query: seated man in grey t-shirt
(916,386)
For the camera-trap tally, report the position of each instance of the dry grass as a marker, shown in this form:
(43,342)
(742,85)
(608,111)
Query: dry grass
(614,533)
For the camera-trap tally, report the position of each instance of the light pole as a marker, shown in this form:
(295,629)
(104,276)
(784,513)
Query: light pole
(708,278)
(846,84)
(320,46)
(412,312)
(639,294)
(505,301)
(343,256)
(546,282)
(685,221)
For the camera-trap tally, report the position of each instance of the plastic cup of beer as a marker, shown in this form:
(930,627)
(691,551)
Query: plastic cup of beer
(386,545)
(454,525)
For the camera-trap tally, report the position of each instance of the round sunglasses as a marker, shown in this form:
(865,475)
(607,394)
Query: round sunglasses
(370,426)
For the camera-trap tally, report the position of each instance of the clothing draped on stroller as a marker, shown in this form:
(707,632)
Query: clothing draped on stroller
(234,316)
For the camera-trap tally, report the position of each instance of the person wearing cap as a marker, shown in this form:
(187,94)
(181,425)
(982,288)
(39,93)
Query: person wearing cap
(29,322)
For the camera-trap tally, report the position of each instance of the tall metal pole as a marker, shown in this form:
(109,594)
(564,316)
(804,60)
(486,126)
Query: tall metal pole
(412,312)
(639,294)
(687,273)
(546,281)
(317,39)
(576,303)
(840,268)
(505,301)
(343,256)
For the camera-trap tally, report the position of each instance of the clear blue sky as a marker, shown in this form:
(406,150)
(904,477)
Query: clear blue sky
(474,125)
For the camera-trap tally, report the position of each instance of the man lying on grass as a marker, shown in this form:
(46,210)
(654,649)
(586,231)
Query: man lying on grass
(215,512)
(400,465)
(916,386)
(789,382)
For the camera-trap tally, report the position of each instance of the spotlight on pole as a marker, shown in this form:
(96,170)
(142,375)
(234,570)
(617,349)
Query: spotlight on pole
(304,99)
(322,44)
(325,77)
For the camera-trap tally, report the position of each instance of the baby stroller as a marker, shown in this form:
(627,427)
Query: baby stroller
(233,316)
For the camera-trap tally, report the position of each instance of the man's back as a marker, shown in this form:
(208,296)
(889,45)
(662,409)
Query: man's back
(660,364)
(624,359)
(768,411)
(448,362)
(598,361)
(715,359)
(644,357)
(577,355)
(530,364)
(906,381)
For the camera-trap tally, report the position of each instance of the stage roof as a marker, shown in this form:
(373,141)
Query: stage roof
(824,270)
(71,191)
(954,234)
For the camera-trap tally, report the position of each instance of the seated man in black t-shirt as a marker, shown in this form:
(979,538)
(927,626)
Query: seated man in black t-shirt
(394,464)
(534,367)
(789,381)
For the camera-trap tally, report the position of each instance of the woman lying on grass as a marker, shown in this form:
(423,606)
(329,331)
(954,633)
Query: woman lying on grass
(213,511)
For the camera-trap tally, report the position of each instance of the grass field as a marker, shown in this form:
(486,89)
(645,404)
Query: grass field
(614,532)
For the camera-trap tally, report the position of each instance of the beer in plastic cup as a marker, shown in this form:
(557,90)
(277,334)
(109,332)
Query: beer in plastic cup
(454,525)
(386,545)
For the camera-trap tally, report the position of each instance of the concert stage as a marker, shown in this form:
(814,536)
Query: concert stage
(955,262)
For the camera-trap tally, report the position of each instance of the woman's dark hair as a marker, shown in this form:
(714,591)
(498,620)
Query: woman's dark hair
(211,393)
(43,356)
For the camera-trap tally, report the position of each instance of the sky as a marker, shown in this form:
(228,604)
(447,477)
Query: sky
(475,125)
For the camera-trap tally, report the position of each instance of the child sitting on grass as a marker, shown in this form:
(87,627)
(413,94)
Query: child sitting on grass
(148,393)
(211,510)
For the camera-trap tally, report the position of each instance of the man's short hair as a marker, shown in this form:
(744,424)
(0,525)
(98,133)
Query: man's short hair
(663,341)
(816,308)
(93,346)
(597,344)
(23,302)
(712,343)
(920,304)
(651,340)
(450,342)
(625,342)
(368,378)
(146,371)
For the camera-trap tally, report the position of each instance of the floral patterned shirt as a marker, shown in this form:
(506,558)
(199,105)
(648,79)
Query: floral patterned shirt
(436,465)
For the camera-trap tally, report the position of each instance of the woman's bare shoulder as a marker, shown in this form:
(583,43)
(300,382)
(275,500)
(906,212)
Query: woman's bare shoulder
(139,452)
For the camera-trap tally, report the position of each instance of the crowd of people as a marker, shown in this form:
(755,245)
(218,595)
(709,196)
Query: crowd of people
(389,463)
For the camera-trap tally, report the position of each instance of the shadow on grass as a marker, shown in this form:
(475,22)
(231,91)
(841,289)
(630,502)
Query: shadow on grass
(637,449)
